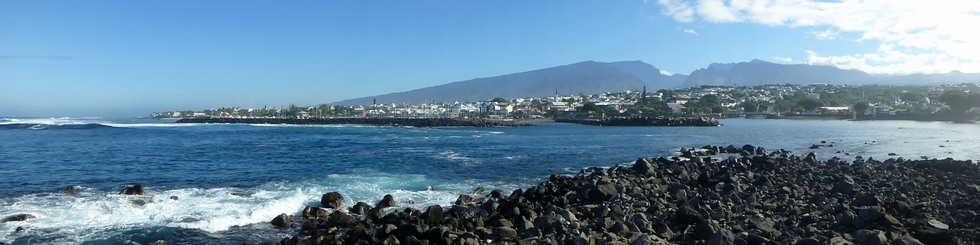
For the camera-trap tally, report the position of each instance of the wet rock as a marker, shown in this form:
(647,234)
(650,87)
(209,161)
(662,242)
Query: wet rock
(18,218)
(241,195)
(360,208)
(282,221)
(175,198)
(811,157)
(341,219)
(133,190)
(463,200)
(386,201)
(314,213)
(71,190)
(433,214)
(332,200)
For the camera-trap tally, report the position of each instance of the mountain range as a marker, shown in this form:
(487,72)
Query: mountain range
(592,77)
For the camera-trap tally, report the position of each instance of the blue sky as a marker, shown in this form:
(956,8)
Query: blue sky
(130,58)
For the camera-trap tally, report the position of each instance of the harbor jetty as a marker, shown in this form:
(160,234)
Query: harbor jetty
(394,122)
(647,121)
(712,195)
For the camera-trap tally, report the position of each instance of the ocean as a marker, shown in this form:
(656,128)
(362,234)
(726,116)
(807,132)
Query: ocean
(231,180)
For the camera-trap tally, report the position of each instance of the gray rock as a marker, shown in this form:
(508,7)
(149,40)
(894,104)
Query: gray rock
(905,240)
(341,219)
(722,237)
(360,208)
(845,186)
(332,200)
(866,200)
(505,232)
(643,167)
(523,224)
(869,237)
(386,201)
(601,192)
(688,216)
(464,200)
(133,190)
(282,221)
(71,190)
(17,218)
(871,215)
(808,241)
(433,214)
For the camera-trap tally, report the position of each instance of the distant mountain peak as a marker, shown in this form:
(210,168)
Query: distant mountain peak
(586,77)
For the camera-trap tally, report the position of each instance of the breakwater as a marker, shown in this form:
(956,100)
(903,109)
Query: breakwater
(751,197)
(647,121)
(394,122)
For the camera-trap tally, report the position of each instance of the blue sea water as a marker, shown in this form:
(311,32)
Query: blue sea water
(283,168)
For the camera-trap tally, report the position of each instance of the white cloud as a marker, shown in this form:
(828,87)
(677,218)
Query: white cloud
(826,35)
(666,73)
(716,11)
(679,10)
(914,36)
(691,31)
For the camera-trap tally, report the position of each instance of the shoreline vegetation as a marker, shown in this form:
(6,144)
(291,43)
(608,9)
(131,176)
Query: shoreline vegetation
(710,195)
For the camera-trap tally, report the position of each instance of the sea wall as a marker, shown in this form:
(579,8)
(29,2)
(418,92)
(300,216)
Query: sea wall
(752,196)
(397,122)
(647,121)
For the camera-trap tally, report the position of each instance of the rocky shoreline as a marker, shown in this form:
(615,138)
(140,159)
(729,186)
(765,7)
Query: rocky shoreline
(394,122)
(751,196)
(647,121)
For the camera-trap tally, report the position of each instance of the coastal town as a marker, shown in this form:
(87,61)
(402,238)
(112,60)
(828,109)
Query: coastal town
(881,102)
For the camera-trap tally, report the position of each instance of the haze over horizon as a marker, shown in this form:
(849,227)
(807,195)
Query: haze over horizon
(127,58)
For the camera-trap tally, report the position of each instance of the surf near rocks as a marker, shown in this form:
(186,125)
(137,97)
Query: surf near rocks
(750,197)
(394,122)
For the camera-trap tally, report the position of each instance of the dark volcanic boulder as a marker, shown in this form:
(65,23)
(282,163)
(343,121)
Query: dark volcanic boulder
(433,214)
(133,190)
(18,217)
(71,190)
(386,201)
(642,166)
(282,221)
(360,208)
(332,200)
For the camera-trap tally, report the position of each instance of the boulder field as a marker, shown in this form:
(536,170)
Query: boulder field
(744,196)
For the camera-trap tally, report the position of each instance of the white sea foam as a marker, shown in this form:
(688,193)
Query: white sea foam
(154,125)
(459,158)
(98,214)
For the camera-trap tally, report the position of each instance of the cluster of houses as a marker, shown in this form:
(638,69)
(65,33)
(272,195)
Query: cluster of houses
(668,101)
